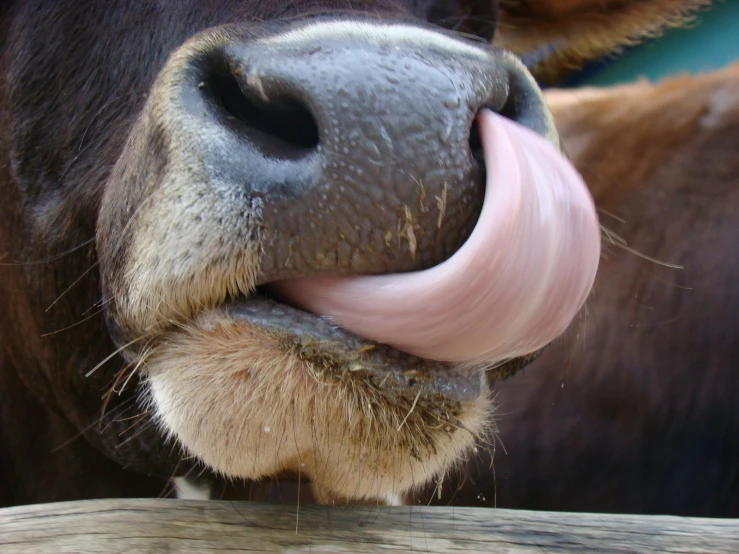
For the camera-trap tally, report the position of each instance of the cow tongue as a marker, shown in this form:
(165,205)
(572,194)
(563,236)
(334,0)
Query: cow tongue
(512,288)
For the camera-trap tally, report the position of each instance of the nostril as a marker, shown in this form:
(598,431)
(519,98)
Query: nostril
(510,109)
(280,126)
(475,145)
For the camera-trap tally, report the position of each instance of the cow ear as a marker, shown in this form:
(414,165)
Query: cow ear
(555,37)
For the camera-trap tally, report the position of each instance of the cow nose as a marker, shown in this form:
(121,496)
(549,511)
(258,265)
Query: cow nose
(356,142)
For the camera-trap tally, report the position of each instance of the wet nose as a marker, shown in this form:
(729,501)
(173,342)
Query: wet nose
(356,141)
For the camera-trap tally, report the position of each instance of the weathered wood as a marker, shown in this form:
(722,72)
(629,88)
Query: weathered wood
(209,526)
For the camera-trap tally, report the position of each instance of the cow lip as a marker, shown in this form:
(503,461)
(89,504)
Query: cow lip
(321,344)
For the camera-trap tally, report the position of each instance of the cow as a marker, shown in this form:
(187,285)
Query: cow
(634,409)
(250,238)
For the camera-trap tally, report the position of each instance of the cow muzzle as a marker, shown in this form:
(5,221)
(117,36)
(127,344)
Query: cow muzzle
(379,205)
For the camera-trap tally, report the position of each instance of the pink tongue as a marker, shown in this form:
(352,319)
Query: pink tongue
(512,288)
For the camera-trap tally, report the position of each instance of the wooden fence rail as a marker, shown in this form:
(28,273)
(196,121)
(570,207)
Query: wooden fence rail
(134,526)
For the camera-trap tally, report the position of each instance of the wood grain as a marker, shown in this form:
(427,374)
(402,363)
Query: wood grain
(210,526)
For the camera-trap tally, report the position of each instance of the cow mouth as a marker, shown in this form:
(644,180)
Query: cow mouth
(508,291)
(324,346)
(513,286)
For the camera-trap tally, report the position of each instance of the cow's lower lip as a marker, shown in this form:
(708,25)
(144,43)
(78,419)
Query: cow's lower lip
(321,344)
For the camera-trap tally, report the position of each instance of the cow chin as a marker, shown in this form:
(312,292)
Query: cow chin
(235,399)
